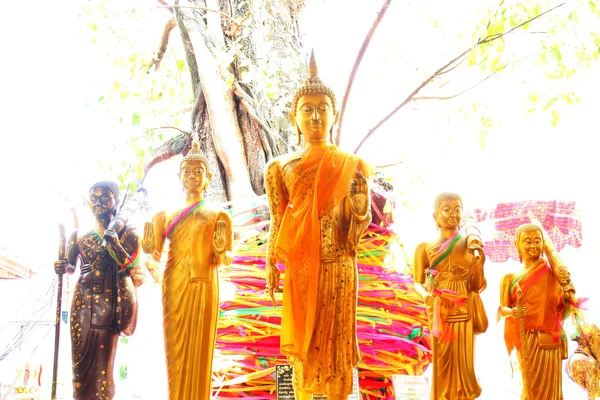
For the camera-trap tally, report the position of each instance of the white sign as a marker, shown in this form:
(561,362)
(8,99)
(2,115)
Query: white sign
(411,387)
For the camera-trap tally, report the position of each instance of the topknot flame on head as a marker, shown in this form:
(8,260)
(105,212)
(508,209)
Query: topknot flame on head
(313,70)
(313,84)
(195,154)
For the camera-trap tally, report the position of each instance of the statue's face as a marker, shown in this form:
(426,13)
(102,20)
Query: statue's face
(102,201)
(193,176)
(530,245)
(314,116)
(449,213)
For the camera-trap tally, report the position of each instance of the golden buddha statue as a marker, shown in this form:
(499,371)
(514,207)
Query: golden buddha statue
(104,302)
(533,303)
(200,239)
(320,206)
(448,274)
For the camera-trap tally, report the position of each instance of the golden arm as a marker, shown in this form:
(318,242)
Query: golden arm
(559,269)
(421,263)
(154,236)
(223,239)
(278,201)
(506,308)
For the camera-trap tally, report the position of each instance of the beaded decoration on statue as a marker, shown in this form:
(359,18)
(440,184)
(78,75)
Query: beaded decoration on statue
(313,84)
(195,154)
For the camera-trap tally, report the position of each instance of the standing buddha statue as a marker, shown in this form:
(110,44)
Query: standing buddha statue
(320,206)
(200,240)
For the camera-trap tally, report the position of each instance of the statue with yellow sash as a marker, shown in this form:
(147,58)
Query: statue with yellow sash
(200,239)
(448,274)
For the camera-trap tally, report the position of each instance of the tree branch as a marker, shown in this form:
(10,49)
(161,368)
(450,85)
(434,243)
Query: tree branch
(232,20)
(170,127)
(409,98)
(357,62)
(190,55)
(164,42)
(445,69)
(496,36)
(168,149)
(389,165)
(459,93)
(266,136)
(167,5)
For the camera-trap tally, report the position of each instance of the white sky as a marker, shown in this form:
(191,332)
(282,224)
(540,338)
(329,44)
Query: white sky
(52,143)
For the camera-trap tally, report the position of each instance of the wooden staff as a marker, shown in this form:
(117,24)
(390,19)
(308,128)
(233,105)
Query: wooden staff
(61,256)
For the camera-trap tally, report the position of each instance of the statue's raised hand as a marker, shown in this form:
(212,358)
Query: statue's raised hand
(220,238)
(359,195)
(148,239)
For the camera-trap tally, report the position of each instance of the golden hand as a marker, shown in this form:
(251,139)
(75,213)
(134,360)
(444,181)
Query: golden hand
(273,275)
(519,311)
(220,238)
(137,275)
(359,195)
(148,240)
(429,300)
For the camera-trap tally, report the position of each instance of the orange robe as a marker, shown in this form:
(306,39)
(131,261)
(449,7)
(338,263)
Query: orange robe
(543,297)
(317,242)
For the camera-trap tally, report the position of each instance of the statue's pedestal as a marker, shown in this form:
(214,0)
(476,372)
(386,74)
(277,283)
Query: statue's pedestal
(285,389)
(410,387)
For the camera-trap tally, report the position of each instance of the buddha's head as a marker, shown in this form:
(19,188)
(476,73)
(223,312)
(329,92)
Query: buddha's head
(314,111)
(104,198)
(447,210)
(529,241)
(194,172)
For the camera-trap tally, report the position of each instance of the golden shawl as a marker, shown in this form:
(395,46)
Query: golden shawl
(299,239)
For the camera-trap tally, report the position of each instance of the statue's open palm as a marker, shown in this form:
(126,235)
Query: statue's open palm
(220,238)
(359,195)
(148,239)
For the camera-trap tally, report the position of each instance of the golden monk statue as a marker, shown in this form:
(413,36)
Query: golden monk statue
(320,206)
(200,239)
(583,366)
(104,302)
(448,274)
(533,302)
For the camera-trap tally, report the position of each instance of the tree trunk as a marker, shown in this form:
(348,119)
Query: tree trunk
(236,124)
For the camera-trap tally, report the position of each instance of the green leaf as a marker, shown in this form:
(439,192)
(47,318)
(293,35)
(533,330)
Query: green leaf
(100,99)
(496,28)
(555,52)
(135,119)
(180,64)
(534,97)
(555,118)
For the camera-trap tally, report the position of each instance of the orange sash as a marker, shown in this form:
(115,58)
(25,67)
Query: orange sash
(542,295)
(299,239)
